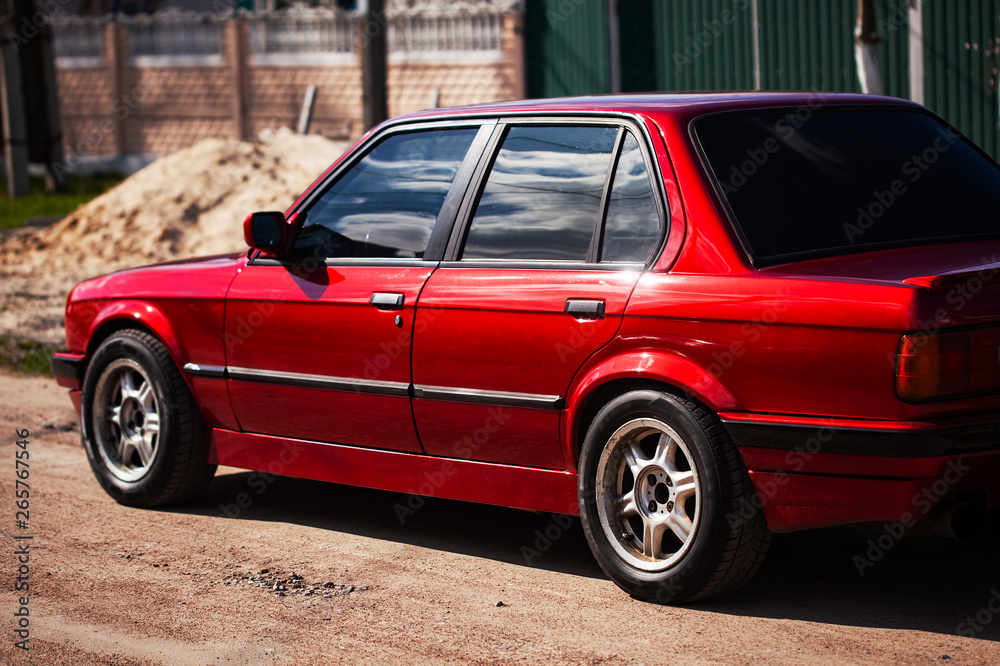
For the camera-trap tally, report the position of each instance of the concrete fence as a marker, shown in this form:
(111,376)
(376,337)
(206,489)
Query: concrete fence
(160,83)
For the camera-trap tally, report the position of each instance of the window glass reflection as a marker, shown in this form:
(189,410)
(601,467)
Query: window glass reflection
(386,205)
(542,199)
(632,228)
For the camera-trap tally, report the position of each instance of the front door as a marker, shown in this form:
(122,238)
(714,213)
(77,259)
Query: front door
(318,344)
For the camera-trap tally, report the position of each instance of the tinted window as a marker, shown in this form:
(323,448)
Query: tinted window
(842,181)
(386,204)
(632,228)
(543,196)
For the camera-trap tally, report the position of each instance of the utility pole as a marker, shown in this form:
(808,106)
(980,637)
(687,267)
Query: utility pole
(15,127)
(30,100)
(372,40)
(866,41)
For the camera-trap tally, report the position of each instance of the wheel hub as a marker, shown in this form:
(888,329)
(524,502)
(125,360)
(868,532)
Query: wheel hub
(648,494)
(126,419)
(654,492)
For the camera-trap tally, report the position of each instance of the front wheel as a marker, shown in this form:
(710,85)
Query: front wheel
(663,495)
(144,436)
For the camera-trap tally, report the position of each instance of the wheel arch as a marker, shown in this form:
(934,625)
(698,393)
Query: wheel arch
(660,371)
(137,315)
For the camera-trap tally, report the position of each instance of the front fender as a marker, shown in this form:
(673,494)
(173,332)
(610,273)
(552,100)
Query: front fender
(116,315)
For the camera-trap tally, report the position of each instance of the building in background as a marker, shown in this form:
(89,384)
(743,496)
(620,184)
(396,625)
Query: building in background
(151,78)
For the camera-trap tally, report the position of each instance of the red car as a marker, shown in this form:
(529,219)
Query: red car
(693,320)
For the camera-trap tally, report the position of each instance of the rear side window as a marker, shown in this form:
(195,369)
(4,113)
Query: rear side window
(542,199)
(632,226)
(386,205)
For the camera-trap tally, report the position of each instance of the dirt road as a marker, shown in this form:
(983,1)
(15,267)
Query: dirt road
(196,584)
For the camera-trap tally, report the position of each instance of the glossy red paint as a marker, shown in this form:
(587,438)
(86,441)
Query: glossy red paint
(322,322)
(810,344)
(516,332)
(431,476)
(825,488)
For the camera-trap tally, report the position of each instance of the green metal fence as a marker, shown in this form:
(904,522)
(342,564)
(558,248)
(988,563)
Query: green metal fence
(961,45)
(801,45)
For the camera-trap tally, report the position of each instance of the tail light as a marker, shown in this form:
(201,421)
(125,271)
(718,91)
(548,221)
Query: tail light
(948,365)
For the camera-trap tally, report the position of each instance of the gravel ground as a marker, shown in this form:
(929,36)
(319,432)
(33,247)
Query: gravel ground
(317,573)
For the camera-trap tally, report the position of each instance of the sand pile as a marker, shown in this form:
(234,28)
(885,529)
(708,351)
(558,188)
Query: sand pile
(190,203)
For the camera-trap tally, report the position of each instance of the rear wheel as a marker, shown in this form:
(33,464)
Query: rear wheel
(664,497)
(144,436)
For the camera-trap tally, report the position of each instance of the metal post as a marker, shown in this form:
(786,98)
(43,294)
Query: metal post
(614,48)
(15,126)
(755,37)
(916,27)
(372,39)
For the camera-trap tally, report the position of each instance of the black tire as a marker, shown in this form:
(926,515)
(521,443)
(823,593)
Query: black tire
(144,436)
(665,500)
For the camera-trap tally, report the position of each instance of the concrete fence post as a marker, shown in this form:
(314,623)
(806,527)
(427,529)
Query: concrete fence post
(115,54)
(237,56)
(513,50)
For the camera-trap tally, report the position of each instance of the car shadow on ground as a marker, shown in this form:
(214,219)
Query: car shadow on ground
(853,576)
(859,576)
(546,541)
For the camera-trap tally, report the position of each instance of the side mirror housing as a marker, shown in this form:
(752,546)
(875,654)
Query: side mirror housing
(269,232)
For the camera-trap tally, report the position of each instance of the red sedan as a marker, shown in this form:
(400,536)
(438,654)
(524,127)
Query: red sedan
(693,320)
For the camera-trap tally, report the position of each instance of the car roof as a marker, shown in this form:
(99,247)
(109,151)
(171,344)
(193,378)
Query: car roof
(686,104)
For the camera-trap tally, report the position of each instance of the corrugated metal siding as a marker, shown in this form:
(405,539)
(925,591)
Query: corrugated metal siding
(567,47)
(705,45)
(961,45)
(894,53)
(638,39)
(807,45)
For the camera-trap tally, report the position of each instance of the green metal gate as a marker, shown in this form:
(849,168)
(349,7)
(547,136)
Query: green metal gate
(800,45)
(566,44)
(961,46)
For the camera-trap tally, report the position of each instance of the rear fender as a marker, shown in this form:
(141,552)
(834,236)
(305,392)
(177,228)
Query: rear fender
(649,366)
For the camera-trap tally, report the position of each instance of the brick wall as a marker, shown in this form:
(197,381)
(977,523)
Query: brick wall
(122,105)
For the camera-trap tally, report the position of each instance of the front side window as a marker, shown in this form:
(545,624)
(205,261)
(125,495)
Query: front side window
(386,205)
(542,199)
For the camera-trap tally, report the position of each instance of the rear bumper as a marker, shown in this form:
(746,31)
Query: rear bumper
(807,477)
(67,368)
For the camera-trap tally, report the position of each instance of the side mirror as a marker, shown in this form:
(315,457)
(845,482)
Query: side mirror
(269,231)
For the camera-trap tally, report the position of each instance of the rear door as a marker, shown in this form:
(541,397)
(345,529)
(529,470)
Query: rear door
(318,344)
(537,278)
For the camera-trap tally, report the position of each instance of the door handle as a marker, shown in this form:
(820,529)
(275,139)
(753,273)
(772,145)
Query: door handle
(585,309)
(384,300)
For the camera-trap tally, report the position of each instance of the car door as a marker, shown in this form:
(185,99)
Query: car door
(536,281)
(318,343)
